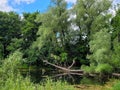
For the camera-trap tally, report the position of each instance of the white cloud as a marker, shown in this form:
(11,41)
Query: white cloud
(24,1)
(71,1)
(4,6)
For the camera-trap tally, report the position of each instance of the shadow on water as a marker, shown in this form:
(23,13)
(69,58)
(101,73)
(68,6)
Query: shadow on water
(38,76)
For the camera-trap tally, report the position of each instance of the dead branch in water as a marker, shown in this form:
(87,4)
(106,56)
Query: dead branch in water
(73,71)
(68,70)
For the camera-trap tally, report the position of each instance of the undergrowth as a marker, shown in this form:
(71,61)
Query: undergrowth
(10,78)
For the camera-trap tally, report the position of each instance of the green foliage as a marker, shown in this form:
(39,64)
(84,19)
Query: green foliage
(11,63)
(21,83)
(29,29)
(50,85)
(100,48)
(9,67)
(89,13)
(89,81)
(63,57)
(1,51)
(10,78)
(104,68)
(53,33)
(116,25)
(10,27)
(83,34)
(92,17)
(29,35)
(88,69)
(15,44)
(115,60)
(116,86)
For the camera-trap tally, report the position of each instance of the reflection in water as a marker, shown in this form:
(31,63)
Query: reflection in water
(38,76)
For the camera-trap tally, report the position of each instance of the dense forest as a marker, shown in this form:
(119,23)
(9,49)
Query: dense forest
(87,34)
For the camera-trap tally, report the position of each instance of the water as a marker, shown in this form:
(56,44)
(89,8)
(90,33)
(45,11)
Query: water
(38,76)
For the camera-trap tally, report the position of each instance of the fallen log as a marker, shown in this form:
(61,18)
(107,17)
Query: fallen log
(75,72)
(116,74)
(68,70)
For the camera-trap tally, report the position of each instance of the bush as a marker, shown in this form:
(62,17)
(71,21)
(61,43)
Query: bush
(9,66)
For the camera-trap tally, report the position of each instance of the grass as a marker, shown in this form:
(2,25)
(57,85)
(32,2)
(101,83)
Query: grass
(112,84)
(25,84)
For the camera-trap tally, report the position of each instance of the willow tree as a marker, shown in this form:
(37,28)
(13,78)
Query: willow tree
(100,47)
(53,33)
(93,20)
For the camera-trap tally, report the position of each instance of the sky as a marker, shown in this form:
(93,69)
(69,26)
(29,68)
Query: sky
(21,6)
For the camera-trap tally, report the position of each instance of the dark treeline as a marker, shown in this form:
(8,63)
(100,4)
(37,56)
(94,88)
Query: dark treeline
(88,33)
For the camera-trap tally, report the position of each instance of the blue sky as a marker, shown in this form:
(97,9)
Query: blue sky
(29,5)
(37,5)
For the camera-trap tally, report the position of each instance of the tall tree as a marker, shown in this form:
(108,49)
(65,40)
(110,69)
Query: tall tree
(93,20)
(116,40)
(29,30)
(53,34)
(10,24)
(91,17)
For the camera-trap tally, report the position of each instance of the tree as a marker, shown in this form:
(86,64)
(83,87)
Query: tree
(116,40)
(93,20)
(10,24)
(54,32)
(29,35)
(29,28)
(115,60)
(91,16)
(115,23)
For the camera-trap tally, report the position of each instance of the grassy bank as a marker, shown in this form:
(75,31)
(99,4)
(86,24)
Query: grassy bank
(11,79)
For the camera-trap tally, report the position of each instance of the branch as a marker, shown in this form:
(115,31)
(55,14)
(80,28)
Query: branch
(62,68)
(71,64)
